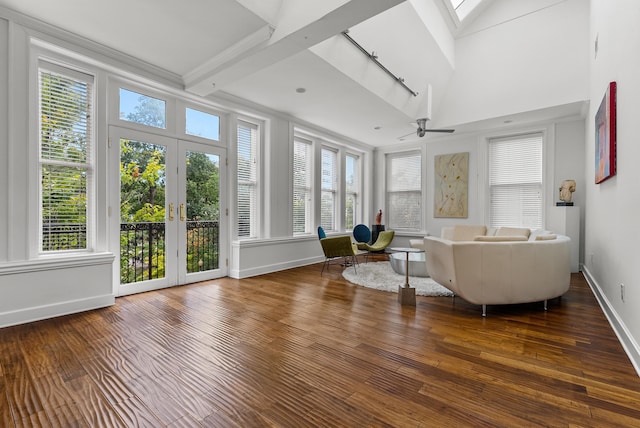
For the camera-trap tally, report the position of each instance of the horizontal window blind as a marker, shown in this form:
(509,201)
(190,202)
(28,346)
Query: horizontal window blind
(329,189)
(65,131)
(515,181)
(352,190)
(247,179)
(65,124)
(302,170)
(404,191)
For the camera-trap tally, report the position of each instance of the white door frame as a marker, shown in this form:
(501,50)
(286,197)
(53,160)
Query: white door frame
(175,243)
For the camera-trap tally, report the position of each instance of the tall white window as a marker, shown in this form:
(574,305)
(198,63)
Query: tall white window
(515,181)
(302,180)
(66,112)
(247,180)
(329,189)
(352,190)
(404,191)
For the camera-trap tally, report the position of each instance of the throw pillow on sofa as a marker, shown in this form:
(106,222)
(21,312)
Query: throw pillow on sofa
(541,235)
(485,238)
(463,232)
(546,237)
(513,231)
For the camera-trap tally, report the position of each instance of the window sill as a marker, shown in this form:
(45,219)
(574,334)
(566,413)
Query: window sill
(56,262)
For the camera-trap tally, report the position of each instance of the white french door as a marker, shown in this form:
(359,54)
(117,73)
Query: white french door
(171,225)
(200,212)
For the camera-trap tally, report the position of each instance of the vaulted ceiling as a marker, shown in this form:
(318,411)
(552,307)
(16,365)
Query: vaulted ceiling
(288,55)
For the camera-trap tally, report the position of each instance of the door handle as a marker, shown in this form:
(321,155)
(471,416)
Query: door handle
(181,212)
(171,211)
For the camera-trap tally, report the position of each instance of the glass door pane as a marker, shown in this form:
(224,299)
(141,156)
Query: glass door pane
(142,211)
(203,211)
(200,213)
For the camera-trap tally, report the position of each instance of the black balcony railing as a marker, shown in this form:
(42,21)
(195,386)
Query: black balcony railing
(142,249)
(202,245)
(142,246)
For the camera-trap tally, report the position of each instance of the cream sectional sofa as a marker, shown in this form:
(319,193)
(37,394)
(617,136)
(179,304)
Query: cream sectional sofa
(502,266)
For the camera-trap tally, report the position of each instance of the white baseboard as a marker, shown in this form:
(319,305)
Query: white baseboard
(261,270)
(624,336)
(55,310)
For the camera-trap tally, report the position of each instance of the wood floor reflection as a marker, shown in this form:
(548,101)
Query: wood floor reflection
(296,349)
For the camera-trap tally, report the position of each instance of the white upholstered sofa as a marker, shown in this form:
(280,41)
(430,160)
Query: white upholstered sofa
(504,266)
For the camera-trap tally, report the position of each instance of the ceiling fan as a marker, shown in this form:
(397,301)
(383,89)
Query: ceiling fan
(422,123)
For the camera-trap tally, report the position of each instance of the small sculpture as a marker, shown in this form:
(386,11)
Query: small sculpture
(379,217)
(566,190)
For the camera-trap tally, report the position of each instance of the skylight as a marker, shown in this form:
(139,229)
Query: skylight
(464,7)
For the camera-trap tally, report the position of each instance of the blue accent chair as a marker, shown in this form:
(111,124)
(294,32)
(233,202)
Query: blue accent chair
(361,233)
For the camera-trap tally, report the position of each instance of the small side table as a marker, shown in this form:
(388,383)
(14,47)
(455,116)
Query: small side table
(406,294)
(375,231)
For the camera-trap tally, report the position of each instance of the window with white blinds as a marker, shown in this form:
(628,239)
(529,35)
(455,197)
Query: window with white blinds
(247,167)
(302,180)
(515,181)
(404,191)
(329,189)
(352,190)
(66,114)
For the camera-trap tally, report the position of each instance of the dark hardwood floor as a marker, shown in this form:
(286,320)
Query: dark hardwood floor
(294,349)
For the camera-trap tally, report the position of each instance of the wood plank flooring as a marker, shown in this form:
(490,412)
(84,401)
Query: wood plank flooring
(296,349)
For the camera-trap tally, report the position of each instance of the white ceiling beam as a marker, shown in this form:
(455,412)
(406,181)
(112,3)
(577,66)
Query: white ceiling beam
(267,10)
(410,51)
(300,25)
(436,25)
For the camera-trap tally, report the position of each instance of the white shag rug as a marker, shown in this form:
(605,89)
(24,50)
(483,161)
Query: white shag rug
(381,276)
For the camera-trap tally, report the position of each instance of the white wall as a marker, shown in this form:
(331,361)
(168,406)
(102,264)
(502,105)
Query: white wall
(565,149)
(256,257)
(506,66)
(277,249)
(612,228)
(34,287)
(4,135)
(34,290)
(517,57)
(456,144)
(569,151)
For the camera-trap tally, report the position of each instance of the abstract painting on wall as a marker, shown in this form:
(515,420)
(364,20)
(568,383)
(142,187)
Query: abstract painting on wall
(606,135)
(450,199)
